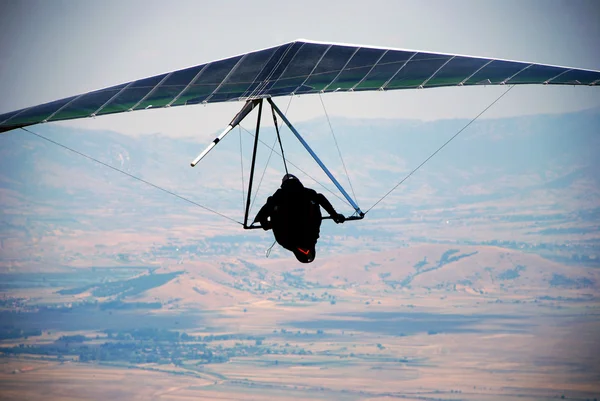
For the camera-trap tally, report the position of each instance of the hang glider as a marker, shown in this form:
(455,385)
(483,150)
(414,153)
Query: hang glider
(296,68)
(299,67)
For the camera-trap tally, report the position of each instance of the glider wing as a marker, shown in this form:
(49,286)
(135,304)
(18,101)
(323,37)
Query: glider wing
(299,67)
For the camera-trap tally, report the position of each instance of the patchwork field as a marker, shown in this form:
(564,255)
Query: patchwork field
(424,322)
(498,357)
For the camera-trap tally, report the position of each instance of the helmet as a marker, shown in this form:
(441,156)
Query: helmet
(288,177)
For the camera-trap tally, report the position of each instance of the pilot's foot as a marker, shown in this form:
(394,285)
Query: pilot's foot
(305,255)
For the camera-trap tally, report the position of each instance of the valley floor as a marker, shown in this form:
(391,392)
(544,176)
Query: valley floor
(487,353)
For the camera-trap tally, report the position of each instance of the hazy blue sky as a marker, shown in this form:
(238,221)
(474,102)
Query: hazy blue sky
(51,49)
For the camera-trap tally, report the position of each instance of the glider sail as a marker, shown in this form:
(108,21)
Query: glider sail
(299,67)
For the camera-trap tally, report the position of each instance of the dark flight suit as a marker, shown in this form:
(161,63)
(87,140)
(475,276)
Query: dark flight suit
(294,214)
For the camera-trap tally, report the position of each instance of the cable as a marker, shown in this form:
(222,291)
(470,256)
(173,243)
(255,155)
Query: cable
(338,148)
(270,155)
(242,168)
(268,252)
(440,148)
(272,147)
(130,175)
(279,138)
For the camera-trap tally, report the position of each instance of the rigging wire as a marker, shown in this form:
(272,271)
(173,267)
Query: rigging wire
(268,252)
(270,155)
(242,168)
(338,148)
(272,147)
(279,138)
(441,147)
(263,174)
(130,175)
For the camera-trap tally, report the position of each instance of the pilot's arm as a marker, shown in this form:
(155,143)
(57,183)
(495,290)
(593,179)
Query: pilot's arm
(324,202)
(264,213)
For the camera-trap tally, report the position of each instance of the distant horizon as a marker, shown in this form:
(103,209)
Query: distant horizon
(267,123)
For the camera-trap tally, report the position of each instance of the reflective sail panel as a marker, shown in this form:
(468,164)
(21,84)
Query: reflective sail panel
(299,67)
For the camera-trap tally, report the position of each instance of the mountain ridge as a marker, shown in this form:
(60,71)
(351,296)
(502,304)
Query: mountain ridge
(469,192)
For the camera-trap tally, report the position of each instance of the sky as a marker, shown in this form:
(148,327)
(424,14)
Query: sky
(59,48)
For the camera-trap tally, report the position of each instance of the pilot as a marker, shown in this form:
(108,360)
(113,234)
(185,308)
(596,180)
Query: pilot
(294,214)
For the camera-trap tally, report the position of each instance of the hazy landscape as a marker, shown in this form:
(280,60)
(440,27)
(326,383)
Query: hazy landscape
(477,279)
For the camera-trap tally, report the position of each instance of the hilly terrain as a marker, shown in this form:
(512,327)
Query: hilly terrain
(478,278)
(526,182)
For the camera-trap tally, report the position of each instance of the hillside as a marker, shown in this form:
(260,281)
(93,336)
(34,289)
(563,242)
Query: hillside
(523,183)
(477,279)
(421,274)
